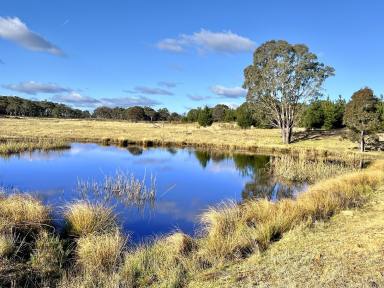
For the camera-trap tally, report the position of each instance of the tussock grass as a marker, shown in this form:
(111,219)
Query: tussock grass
(22,210)
(7,245)
(48,256)
(162,264)
(84,218)
(97,253)
(255,224)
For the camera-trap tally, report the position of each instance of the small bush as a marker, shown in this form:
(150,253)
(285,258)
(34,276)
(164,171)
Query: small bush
(205,117)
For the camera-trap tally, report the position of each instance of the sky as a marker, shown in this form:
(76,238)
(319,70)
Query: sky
(177,54)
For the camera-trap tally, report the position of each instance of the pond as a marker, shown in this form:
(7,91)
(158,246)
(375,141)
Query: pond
(188,181)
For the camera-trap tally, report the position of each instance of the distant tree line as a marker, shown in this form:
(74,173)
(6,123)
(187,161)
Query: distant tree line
(136,113)
(16,106)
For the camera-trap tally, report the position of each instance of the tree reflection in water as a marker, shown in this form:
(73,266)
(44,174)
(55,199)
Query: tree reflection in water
(263,185)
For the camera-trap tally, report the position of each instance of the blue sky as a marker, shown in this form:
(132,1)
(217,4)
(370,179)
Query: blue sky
(176,54)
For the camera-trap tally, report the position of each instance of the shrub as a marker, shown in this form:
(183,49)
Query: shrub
(205,117)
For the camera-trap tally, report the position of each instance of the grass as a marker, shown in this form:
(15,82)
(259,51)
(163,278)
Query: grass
(84,218)
(18,145)
(254,243)
(122,186)
(220,136)
(346,251)
(301,169)
(22,210)
(7,245)
(97,253)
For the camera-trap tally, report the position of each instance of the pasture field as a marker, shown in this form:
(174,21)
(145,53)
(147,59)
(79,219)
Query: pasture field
(218,136)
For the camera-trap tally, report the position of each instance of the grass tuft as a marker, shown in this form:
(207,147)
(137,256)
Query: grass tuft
(7,245)
(84,218)
(100,252)
(23,210)
(48,255)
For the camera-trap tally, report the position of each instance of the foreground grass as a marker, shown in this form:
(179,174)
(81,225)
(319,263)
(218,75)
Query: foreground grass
(347,251)
(221,136)
(255,243)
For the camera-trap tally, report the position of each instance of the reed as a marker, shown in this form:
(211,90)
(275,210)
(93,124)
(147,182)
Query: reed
(302,169)
(124,187)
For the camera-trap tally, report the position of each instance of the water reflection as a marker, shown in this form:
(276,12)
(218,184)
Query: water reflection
(262,185)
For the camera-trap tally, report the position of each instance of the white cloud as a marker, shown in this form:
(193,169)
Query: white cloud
(229,92)
(149,91)
(15,30)
(172,45)
(32,87)
(205,40)
(76,99)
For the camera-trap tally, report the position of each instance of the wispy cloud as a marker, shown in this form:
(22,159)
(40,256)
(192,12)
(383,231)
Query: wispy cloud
(15,30)
(32,87)
(228,92)
(198,97)
(129,101)
(76,99)
(149,91)
(168,84)
(205,40)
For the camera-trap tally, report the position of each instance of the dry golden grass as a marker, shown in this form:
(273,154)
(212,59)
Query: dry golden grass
(48,255)
(96,253)
(25,210)
(84,218)
(234,230)
(12,145)
(217,136)
(347,251)
(7,245)
(302,169)
(161,264)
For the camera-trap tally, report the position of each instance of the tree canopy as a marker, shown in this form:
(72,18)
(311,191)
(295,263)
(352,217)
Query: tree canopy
(281,77)
(362,114)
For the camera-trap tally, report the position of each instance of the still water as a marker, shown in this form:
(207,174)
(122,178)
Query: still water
(187,181)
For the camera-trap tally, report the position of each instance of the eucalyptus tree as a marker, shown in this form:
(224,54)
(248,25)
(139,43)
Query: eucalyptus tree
(281,77)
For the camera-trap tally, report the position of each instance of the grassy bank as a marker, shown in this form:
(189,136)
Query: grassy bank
(92,252)
(219,136)
(346,251)
(19,145)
